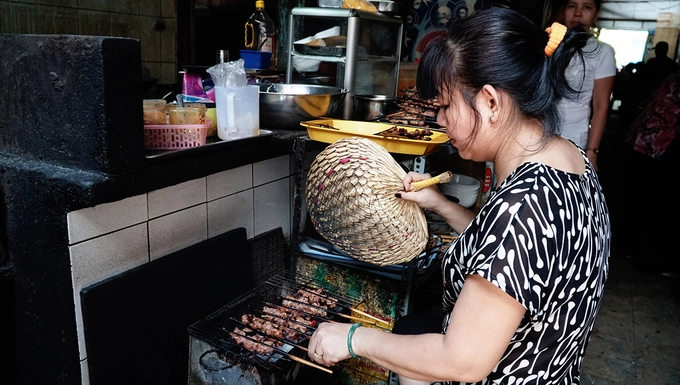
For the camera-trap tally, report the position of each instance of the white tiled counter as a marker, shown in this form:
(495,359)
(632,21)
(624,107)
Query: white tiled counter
(108,239)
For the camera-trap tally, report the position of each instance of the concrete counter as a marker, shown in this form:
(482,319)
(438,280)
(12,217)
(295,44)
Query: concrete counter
(82,201)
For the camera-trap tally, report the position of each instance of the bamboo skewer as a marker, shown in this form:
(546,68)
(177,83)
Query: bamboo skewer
(303,361)
(356,319)
(363,313)
(441,178)
(288,355)
(325,310)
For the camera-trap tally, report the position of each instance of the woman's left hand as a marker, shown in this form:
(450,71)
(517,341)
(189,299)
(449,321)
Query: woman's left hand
(328,344)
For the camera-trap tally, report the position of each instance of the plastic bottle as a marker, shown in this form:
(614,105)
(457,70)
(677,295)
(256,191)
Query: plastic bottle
(260,31)
(489,182)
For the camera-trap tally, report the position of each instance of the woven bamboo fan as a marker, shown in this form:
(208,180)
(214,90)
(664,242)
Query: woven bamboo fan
(350,195)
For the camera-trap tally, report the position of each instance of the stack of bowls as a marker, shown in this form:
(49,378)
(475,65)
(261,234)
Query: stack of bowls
(464,188)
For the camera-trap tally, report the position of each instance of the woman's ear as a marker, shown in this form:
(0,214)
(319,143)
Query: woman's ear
(490,101)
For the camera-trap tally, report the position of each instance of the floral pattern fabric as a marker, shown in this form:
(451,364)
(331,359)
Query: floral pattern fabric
(653,131)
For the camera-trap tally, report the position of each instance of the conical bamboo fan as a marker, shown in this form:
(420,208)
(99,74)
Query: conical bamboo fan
(350,195)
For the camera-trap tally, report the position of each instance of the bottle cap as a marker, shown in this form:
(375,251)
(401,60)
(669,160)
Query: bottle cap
(259,4)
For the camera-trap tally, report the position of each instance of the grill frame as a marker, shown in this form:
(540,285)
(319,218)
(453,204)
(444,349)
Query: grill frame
(213,333)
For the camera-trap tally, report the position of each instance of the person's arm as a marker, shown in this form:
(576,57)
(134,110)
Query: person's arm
(457,216)
(482,324)
(601,95)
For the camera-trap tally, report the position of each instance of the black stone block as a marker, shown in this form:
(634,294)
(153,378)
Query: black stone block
(73,101)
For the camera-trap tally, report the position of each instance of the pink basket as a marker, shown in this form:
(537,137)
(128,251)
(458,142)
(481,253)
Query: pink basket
(175,136)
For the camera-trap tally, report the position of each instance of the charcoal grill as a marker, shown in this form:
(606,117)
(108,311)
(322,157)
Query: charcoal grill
(230,346)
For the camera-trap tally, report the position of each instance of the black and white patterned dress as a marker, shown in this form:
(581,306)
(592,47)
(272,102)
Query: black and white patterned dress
(543,238)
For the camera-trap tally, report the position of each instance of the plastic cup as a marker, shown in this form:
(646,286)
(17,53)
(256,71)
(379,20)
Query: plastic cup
(186,115)
(155,111)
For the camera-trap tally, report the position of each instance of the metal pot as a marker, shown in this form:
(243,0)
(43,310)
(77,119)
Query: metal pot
(373,107)
(284,106)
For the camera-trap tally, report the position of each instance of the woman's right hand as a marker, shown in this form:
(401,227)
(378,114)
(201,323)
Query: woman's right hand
(429,198)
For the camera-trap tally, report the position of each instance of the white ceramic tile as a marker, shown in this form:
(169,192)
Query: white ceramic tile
(177,197)
(270,170)
(176,231)
(94,260)
(272,207)
(105,218)
(229,182)
(231,212)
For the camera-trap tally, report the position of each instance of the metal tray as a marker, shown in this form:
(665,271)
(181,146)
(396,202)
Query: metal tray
(337,46)
(319,130)
(320,51)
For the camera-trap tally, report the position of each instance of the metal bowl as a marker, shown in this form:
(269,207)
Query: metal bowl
(373,107)
(284,106)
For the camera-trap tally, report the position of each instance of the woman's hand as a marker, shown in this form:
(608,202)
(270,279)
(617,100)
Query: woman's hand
(328,344)
(429,198)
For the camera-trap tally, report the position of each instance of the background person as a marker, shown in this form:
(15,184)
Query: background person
(660,65)
(524,280)
(654,160)
(592,75)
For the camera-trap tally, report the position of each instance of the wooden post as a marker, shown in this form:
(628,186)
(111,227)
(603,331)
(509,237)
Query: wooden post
(667,27)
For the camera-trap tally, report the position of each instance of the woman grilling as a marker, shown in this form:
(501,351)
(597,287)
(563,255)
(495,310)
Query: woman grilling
(524,281)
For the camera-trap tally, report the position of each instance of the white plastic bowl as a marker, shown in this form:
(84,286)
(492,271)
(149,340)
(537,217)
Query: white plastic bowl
(463,187)
(306,65)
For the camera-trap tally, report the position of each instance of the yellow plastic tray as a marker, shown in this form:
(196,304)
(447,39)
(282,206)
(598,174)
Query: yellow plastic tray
(348,128)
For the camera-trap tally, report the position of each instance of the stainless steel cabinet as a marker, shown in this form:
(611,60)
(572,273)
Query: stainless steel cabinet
(368,64)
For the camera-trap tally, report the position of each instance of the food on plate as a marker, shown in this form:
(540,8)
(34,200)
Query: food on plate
(401,132)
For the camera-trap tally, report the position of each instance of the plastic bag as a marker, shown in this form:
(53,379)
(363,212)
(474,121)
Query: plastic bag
(229,74)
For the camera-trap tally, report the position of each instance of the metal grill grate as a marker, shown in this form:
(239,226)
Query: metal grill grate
(267,253)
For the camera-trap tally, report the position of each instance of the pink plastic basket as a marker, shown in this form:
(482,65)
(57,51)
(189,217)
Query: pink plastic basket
(175,136)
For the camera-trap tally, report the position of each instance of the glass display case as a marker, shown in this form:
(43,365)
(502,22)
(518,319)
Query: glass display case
(367,62)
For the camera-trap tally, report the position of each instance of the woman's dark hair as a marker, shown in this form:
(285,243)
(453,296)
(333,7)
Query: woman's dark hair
(504,49)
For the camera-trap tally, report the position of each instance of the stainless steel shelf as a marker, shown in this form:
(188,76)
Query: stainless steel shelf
(343,13)
(352,21)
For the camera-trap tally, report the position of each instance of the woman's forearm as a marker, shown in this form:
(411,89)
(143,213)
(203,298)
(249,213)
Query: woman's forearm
(427,358)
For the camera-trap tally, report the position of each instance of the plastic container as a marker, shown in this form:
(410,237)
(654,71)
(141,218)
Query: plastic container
(238,112)
(186,114)
(155,111)
(175,136)
(260,31)
(305,65)
(330,130)
(256,59)
(209,113)
(463,187)
(489,182)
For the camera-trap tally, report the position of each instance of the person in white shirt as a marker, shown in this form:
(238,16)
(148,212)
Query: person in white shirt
(593,77)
